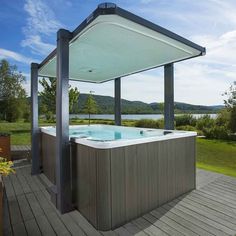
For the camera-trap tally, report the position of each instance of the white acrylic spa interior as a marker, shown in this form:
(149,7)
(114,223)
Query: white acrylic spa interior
(109,136)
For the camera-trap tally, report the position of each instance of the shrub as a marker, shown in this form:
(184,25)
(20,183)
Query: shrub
(27,116)
(232,120)
(205,122)
(223,118)
(183,120)
(149,123)
(186,128)
(216,132)
(200,133)
(6,167)
(105,122)
(232,137)
(161,123)
(49,116)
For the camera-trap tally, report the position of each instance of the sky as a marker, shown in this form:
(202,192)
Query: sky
(28,33)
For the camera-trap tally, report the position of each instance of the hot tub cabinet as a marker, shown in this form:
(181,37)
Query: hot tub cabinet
(113,184)
(48,156)
(116,185)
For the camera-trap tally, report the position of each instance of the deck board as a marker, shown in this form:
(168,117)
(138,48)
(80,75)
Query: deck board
(19,229)
(25,208)
(208,210)
(19,152)
(32,227)
(44,225)
(200,224)
(162,216)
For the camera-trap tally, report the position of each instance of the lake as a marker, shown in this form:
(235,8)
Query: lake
(130,116)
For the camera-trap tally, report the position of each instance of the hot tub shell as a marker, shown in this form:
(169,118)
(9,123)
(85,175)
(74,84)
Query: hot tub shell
(113,183)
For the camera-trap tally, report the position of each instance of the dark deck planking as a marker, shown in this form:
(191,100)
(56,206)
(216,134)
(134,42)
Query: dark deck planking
(208,210)
(20,148)
(20,151)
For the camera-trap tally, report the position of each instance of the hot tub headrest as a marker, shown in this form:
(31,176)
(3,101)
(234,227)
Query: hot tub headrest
(167,132)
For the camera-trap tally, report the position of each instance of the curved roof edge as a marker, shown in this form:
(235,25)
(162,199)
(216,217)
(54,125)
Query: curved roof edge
(111,8)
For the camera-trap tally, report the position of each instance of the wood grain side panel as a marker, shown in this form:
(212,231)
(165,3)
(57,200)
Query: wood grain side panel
(48,152)
(131,188)
(83,181)
(142,178)
(190,168)
(171,168)
(93,185)
(153,177)
(117,185)
(162,172)
(118,203)
(103,189)
(179,166)
(84,173)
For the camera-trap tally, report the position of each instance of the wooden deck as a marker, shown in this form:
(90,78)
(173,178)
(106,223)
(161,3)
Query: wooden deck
(209,210)
(15,148)
(20,152)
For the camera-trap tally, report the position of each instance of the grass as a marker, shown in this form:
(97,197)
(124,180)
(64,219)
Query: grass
(213,155)
(217,155)
(20,131)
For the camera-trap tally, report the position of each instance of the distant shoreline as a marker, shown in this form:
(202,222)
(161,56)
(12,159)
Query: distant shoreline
(132,116)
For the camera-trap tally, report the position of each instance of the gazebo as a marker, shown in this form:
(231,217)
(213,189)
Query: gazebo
(109,44)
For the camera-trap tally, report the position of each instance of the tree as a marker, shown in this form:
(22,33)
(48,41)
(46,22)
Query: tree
(230,104)
(73,98)
(48,95)
(232,121)
(13,97)
(161,107)
(90,106)
(231,96)
(48,98)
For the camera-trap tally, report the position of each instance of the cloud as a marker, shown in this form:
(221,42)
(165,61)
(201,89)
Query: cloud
(145,86)
(37,45)
(188,17)
(204,79)
(226,10)
(41,21)
(220,49)
(194,82)
(7,54)
(27,83)
(199,81)
(41,18)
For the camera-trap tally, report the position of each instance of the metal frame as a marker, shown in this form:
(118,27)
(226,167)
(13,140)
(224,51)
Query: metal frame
(63,173)
(34,121)
(63,169)
(111,8)
(117,84)
(169,96)
(128,74)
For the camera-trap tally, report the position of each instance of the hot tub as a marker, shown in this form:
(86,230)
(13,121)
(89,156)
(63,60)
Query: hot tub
(120,173)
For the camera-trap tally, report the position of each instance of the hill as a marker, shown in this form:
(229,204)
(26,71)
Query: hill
(106,106)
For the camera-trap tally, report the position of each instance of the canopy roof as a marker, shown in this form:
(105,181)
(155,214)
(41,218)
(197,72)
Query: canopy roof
(113,43)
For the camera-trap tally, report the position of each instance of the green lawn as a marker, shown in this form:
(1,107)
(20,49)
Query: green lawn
(20,131)
(217,155)
(213,155)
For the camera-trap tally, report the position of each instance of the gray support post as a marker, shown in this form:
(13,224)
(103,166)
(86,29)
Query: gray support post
(34,120)
(169,96)
(63,170)
(117,102)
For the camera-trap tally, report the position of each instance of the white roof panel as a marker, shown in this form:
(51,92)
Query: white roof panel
(112,46)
